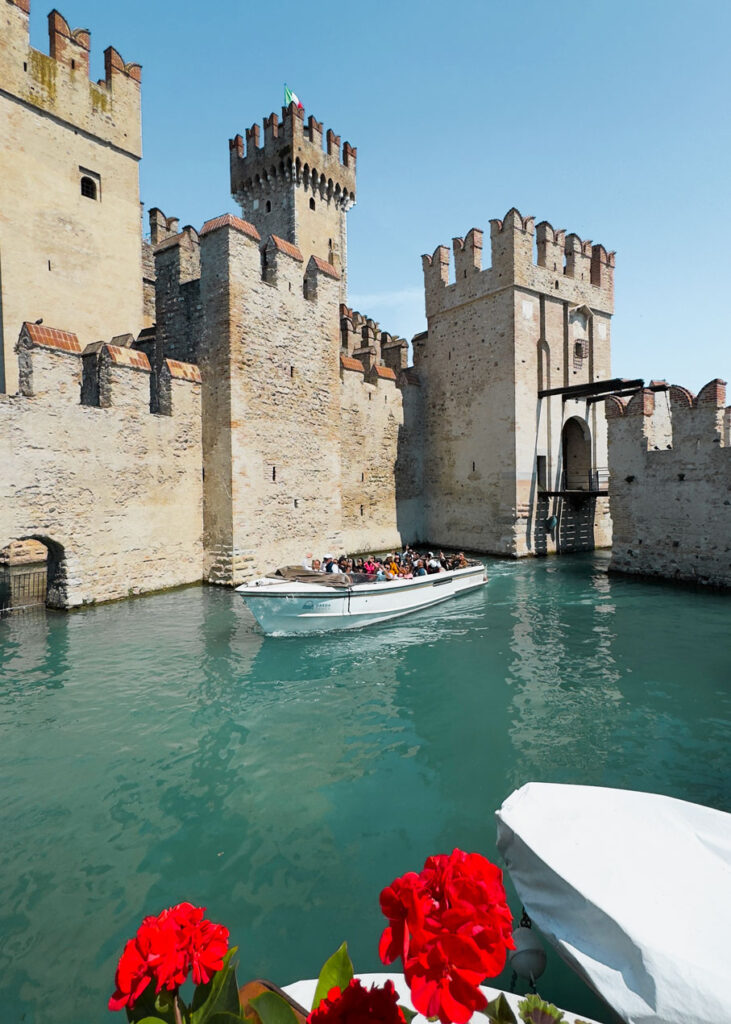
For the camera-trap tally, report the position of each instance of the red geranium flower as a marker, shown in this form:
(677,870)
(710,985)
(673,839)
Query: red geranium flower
(164,951)
(451,925)
(358,1005)
(152,956)
(405,903)
(439,988)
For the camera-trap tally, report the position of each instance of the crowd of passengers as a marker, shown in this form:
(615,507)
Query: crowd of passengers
(406,565)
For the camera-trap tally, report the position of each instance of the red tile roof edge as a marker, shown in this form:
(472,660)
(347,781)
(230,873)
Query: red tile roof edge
(349,363)
(184,371)
(287,247)
(130,357)
(51,337)
(326,268)
(229,221)
(385,371)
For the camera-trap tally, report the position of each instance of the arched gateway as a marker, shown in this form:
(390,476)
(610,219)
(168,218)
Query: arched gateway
(576,456)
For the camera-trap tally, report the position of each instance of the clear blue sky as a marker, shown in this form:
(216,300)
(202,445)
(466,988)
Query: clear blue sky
(610,119)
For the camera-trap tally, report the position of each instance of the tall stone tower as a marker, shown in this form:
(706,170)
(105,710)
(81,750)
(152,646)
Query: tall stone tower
(512,363)
(70,230)
(292,188)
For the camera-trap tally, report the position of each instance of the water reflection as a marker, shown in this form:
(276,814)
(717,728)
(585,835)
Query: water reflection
(163,749)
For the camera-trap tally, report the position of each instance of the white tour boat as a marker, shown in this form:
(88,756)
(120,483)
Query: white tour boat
(297,600)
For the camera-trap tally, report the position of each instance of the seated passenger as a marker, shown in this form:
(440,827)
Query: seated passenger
(369,566)
(316,565)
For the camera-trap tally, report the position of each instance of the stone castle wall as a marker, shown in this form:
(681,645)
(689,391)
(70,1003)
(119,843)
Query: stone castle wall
(496,338)
(59,248)
(301,443)
(114,491)
(670,465)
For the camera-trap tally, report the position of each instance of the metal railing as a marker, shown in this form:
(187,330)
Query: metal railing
(22,587)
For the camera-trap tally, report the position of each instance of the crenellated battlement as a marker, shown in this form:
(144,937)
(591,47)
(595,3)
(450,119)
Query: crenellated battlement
(54,367)
(272,260)
(537,257)
(672,419)
(58,82)
(362,341)
(670,483)
(292,152)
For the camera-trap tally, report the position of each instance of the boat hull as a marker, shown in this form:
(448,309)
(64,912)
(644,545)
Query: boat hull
(294,608)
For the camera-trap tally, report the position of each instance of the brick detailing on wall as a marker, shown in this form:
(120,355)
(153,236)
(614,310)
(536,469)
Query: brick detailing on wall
(108,109)
(496,337)
(670,484)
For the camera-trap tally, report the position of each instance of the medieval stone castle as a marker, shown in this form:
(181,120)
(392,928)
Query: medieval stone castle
(206,405)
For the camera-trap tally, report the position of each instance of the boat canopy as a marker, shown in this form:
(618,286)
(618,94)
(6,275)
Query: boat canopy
(298,574)
(633,890)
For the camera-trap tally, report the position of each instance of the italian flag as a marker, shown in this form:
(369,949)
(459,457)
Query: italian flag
(291,97)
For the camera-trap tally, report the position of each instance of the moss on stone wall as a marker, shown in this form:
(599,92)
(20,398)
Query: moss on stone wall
(42,70)
(100,101)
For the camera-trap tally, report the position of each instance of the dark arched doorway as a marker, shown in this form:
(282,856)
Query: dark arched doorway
(576,455)
(32,574)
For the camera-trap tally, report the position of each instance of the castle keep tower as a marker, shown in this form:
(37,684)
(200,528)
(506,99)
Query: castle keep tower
(512,363)
(289,186)
(69,187)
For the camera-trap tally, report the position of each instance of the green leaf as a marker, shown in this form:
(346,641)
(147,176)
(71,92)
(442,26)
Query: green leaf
(499,1011)
(150,1020)
(149,1007)
(225,1018)
(408,1014)
(534,1010)
(272,1009)
(220,995)
(337,971)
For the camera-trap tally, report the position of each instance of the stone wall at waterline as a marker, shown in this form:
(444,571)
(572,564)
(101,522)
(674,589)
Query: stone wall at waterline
(670,467)
(114,491)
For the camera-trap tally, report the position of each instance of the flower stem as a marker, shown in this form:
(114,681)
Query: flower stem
(176,1006)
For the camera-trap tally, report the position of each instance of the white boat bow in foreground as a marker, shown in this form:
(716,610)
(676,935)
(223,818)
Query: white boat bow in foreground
(297,600)
(633,890)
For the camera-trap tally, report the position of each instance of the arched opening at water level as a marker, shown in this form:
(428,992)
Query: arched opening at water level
(32,575)
(578,501)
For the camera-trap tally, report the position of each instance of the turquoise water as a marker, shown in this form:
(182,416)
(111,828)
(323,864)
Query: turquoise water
(161,749)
